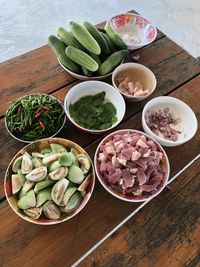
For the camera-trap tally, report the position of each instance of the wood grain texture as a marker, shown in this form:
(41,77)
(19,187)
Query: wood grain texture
(101,214)
(164,233)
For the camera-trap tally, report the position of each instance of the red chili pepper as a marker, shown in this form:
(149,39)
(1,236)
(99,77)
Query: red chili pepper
(41,124)
(45,108)
(37,115)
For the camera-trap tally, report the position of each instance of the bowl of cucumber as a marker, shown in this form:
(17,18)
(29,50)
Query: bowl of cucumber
(49,181)
(87,52)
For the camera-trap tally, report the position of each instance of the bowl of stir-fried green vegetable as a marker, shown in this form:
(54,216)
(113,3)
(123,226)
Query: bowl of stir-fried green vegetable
(94,106)
(35,116)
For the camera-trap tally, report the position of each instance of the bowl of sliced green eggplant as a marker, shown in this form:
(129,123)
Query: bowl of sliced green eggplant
(49,181)
(87,52)
(35,116)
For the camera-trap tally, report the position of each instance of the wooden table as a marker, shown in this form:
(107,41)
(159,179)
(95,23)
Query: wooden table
(110,232)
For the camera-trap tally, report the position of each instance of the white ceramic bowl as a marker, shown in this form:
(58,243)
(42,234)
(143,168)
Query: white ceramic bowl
(137,72)
(82,77)
(187,116)
(143,32)
(92,88)
(120,196)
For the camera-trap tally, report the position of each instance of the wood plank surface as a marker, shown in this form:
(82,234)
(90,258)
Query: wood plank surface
(164,233)
(101,214)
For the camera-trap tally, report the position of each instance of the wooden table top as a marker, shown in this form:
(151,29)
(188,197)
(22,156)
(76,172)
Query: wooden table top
(108,231)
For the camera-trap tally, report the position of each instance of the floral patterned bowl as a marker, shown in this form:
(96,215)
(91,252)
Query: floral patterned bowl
(38,146)
(135,30)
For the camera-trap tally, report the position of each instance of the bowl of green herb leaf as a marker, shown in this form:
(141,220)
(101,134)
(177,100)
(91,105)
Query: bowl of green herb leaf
(94,106)
(35,116)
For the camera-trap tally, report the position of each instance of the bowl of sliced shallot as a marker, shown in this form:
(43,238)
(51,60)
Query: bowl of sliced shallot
(131,165)
(169,121)
(134,81)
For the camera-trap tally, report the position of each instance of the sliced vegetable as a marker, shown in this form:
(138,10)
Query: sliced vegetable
(27,164)
(16,183)
(34,213)
(73,203)
(84,162)
(82,187)
(58,190)
(66,159)
(43,196)
(43,184)
(21,177)
(37,162)
(54,166)
(37,174)
(27,201)
(17,164)
(57,148)
(58,174)
(47,160)
(75,174)
(68,193)
(26,187)
(51,211)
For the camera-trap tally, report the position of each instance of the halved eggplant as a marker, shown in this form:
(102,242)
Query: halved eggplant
(51,211)
(17,164)
(34,213)
(73,203)
(37,174)
(27,201)
(68,193)
(43,196)
(27,164)
(58,190)
(75,174)
(57,148)
(16,183)
(84,162)
(59,173)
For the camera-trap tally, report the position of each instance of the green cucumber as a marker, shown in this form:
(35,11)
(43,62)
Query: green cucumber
(81,58)
(97,36)
(112,61)
(87,72)
(114,37)
(96,58)
(59,49)
(68,39)
(109,42)
(85,38)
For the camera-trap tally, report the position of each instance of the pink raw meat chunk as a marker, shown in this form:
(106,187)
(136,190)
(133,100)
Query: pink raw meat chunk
(132,164)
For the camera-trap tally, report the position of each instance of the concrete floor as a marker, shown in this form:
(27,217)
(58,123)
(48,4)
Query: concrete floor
(26,24)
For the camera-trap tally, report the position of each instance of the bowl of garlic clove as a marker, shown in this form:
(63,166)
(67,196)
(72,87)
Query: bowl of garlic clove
(134,81)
